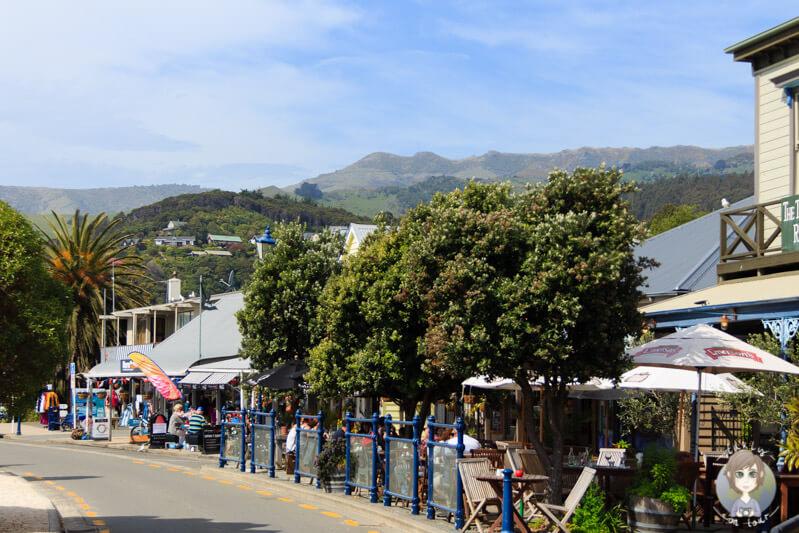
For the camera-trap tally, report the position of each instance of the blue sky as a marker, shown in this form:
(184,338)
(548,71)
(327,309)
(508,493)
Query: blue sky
(251,93)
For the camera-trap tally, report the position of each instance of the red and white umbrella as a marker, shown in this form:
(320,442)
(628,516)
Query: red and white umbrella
(705,349)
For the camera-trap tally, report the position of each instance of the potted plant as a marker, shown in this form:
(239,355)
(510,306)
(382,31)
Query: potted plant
(656,501)
(330,465)
(790,452)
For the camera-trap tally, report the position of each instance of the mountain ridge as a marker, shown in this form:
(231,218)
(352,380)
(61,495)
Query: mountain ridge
(380,169)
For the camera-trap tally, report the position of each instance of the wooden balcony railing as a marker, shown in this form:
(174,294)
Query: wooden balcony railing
(751,243)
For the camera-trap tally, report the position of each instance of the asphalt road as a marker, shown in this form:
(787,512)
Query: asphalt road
(125,491)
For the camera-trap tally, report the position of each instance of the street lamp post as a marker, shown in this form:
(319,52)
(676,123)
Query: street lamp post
(264,242)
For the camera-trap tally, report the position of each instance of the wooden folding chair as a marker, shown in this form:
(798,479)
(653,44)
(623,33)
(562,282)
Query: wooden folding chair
(531,464)
(478,494)
(571,503)
(494,456)
(611,457)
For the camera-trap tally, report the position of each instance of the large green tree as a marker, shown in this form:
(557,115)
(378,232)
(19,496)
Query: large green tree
(33,312)
(278,320)
(372,330)
(541,284)
(86,254)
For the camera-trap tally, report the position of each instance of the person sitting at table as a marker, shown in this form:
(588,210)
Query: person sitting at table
(469,442)
(196,421)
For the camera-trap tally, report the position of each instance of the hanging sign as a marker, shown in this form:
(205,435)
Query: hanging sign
(790,223)
(745,488)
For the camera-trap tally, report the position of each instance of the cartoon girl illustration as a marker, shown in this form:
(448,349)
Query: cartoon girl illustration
(745,473)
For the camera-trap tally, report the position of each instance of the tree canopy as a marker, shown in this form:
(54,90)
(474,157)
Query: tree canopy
(33,311)
(278,321)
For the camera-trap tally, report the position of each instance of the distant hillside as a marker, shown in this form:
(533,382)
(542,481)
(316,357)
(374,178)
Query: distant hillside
(37,200)
(244,214)
(382,169)
(395,199)
(704,192)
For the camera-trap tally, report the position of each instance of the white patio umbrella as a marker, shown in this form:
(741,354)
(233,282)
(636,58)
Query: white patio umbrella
(707,350)
(658,378)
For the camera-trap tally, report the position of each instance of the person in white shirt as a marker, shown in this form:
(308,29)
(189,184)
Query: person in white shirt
(291,440)
(469,442)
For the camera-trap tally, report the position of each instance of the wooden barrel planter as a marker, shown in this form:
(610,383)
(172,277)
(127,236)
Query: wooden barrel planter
(335,483)
(652,515)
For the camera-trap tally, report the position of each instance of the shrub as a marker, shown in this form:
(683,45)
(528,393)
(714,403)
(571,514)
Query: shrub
(594,516)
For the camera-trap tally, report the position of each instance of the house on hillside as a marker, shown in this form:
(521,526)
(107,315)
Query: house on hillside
(223,240)
(167,240)
(172,225)
(755,255)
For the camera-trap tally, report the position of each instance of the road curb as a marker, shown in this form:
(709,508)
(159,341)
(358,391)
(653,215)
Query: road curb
(393,516)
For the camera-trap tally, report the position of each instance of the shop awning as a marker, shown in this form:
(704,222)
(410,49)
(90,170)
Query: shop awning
(220,378)
(194,378)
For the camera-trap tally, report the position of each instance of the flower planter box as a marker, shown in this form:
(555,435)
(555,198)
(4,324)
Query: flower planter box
(651,515)
(335,483)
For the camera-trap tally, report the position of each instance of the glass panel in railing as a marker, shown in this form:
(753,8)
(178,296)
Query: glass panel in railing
(232,442)
(309,449)
(400,476)
(445,472)
(263,445)
(361,461)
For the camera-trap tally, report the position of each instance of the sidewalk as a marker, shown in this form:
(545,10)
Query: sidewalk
(22,509)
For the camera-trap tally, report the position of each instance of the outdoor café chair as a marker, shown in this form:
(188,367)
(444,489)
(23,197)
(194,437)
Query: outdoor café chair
(568,507)
(611,457)
(531,464)
(492,454)
(478,494)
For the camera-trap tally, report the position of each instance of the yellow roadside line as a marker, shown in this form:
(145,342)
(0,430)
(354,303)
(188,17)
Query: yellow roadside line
(77,499)
(261,492)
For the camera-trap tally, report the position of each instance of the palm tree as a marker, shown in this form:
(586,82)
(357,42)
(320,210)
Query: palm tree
(87,256)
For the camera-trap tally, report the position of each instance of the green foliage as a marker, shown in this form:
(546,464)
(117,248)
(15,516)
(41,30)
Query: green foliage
(278,320)
(593,515)
(790,451)
(670,216)
(656,479)
(771,392)
(654,413)
(86,255)
(34,308)
(332,460)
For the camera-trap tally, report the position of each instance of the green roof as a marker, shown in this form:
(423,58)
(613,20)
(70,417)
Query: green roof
(227,238)
(753,44)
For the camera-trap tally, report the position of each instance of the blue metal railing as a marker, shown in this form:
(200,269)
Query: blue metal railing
(237,428)
(262,435)
(400,464)
(450,472)
(348,433)
(303,457)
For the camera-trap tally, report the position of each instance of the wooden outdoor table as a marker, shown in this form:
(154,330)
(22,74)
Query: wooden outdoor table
(604,473)
(520,485)
(786,482)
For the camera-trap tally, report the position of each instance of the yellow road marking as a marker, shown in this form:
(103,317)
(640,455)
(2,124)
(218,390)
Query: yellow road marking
(372,532)
(285,499)
(245,487)
(85,506)
(173,469)
(263,492)
(91,514)
(212,478)
(225,482)
(29,474)
(139,462)
(79,500)
(190,473)
(306,506)
(98,522)
(155,466)
(105,531)
(50,482)
(38,477)
(332,515)
(59,488)
(70,493)
(351,523)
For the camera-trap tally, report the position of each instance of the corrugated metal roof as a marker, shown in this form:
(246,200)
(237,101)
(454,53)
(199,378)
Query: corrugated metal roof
(220,378)
(687,254)
(194,378)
